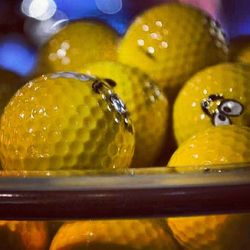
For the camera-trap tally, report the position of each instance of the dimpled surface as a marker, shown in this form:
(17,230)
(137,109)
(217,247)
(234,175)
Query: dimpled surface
(113,234)
(230,80)
(215,232)
(58,121)
(240,49)
(148,107)
(9,84)
(216,145)
(78,43)
(169,48)
(23,235)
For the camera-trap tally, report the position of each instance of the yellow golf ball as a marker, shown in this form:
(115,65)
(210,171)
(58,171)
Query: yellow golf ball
(240,49)
(113,234)
(147,105)
(171,42)
(78,43)
(218,95)
(217,232)
(213,148)
(9,84)
(66,120)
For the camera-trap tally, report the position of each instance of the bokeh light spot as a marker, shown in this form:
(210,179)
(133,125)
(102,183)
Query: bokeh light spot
(39,9)
(109,6)
(17,56)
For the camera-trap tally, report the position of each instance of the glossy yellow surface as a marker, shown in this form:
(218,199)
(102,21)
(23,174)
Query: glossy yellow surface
(23,235)
(146,103)
(62,121)
(240,49)
(9,84)
(216,145)
(113,234)
(78,43)
(232,81)
(215,232)
(171,42)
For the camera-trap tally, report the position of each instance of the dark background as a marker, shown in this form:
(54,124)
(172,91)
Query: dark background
(21,35)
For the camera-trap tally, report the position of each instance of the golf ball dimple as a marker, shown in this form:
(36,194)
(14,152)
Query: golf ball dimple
(147,105)
(114,234)
(169,48)
(220,232)
(58,121)
(217,91)
(78,43)
(214,148)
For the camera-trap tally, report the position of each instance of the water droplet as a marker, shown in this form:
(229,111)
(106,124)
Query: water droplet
(202,116)
(140,42)
(164,44)
(205,92)
(151,50)
(61,53)
(65,45)
(145,27)
(158,23)
(155,36)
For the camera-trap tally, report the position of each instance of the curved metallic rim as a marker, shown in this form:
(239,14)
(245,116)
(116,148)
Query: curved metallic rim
(132,193)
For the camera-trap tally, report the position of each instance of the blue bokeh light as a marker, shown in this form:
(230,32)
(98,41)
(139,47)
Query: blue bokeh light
(77,8)
(89,9)
(17,56)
